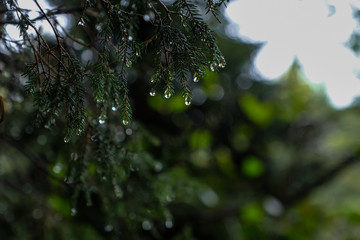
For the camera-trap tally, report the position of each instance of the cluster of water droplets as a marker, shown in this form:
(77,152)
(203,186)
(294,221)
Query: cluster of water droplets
(50,123)
(102,118)
(152,93)
(218,64)
(66,139)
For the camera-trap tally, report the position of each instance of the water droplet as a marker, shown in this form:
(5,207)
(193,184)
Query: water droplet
(93,138)
(169,224)
(99,99)
(146,17)
(152,93)
(102,118)
(137,53)
(153,78)
(73,211)
(167,93)
(212,68)
(196,79)
(125,122)
(171,43)
(130,38)
(74,156)
(66,139)
(82,22)
(187,101)
(114,108)
(79,131)
(222,62)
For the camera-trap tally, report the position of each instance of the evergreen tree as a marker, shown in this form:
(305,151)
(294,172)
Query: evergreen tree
(78,76)
(106,131)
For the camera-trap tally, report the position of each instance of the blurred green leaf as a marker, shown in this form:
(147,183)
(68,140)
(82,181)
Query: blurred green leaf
(224,161)
(200,138)
(258,112)
(252,213)
(252,167)
(60,205)
(175,104)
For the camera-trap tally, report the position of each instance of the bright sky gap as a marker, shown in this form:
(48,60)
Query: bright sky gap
(316,33)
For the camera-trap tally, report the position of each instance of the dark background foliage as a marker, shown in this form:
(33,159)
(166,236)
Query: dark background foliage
(246,160)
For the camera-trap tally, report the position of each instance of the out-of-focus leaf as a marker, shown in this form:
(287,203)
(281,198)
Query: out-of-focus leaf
(175,104)
(200,139)
(60,205)
(252,213)
(258,112)
(224,161)
(253,167)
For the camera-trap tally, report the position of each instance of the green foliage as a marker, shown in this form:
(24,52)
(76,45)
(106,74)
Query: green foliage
(246,161)
(252,167)
(182,42)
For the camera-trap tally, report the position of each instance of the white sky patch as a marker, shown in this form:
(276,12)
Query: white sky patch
(33,13)
(312,31)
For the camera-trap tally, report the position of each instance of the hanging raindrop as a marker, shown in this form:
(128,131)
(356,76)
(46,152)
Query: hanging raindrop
(222,62)
(66,139)
(152,93)
(187,101)
(212,68)
(167,93)
(114,108)
(79,131)
(196,79)
(125,122)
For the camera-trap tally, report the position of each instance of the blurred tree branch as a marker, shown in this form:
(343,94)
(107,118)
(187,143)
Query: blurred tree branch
(37,161)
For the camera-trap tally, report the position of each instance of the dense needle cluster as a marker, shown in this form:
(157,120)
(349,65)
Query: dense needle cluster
(182,43)
(83,93)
